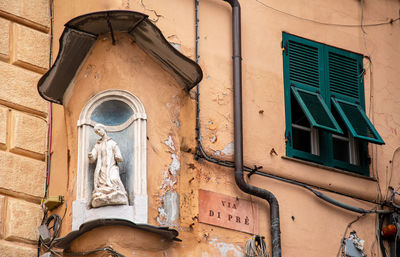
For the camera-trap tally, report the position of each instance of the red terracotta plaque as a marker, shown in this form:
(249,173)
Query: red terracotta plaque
(228,212)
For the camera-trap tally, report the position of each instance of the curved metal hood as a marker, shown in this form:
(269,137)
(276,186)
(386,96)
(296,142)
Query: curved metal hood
(65,242)
(81,33)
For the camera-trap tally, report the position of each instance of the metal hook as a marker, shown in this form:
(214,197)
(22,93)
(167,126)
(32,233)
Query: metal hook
(111,29)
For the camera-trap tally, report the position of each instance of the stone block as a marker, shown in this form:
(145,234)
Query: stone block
(23,218)
(36,11)
(22,175)
(4,38)
(8,249)
(29,133)
(31,46)
(2,209)
(3,126)
(19,86)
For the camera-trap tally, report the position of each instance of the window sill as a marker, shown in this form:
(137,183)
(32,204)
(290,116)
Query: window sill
(329,168)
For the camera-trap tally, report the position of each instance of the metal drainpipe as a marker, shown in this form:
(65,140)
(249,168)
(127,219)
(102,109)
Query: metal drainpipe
(238,133)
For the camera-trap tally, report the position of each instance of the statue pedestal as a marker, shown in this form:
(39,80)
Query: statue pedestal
(136,213)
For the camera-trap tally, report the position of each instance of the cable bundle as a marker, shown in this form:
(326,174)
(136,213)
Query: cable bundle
(256,247)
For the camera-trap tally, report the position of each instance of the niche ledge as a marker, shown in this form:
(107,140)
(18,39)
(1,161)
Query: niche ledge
(97,234)
(81,214)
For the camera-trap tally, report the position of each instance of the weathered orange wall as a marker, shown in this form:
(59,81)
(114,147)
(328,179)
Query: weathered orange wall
(125,66)
(310,227)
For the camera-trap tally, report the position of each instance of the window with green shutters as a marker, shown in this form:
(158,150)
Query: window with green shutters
(326,121)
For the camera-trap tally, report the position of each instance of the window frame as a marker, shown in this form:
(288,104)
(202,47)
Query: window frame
(325,138)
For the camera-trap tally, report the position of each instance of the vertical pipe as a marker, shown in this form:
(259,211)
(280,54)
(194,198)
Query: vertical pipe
(238,133)
(198,135)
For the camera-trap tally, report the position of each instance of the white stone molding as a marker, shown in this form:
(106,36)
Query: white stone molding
(138,183)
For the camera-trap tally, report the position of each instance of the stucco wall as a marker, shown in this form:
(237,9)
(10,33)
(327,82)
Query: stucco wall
(309,226)
(24,57)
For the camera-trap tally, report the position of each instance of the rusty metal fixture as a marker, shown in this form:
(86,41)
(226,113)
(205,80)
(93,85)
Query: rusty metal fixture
(81,33)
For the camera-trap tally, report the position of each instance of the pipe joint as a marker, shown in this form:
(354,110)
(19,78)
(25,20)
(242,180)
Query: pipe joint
(233,3)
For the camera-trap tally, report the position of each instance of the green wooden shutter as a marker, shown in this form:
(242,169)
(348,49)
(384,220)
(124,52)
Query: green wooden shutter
(344,76)
(346,89)
(316,111)
(303,63)
(357,121)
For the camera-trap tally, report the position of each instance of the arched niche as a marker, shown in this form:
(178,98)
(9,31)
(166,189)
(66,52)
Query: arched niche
(125,119)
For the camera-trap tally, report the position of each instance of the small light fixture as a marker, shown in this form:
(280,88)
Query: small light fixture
(389,230)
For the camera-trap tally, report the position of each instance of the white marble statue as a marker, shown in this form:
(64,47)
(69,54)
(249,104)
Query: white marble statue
(108,188)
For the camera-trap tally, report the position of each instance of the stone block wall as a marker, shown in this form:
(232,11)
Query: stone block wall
(24,58)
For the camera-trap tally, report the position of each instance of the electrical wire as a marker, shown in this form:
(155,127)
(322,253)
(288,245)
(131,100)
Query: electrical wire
(362,16)
(345,233)
(374,165)
(391,172)
(380,219)
(56,228)
(49,137)
(326,23)
(65,212)
(373,148)
(256,247)
(394,193)
(56,223)
(293,182)
(108,249)
(198,136)
(48,249)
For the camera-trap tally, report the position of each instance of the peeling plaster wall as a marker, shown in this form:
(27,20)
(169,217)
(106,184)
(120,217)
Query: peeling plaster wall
(125,66)
(225,248)
(174,176)
(169,198)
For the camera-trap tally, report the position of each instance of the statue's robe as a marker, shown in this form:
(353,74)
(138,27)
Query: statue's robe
(108,188)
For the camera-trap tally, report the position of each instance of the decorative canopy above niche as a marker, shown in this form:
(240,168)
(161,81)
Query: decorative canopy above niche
(81,33)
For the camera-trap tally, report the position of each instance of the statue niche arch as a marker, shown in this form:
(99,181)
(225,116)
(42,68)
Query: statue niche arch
(124,118)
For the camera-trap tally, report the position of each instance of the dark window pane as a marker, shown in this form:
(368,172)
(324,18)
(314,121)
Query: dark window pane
(298,116)
(341,150)
(301,140)
(340,122)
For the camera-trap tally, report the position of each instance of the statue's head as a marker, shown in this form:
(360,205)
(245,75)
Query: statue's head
(100,129)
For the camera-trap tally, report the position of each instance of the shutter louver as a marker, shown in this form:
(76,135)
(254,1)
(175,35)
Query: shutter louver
(357,121)
(303,64)
(344,77)
(316,111)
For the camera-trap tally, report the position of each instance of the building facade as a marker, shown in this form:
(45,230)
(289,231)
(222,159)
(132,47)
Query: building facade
(319,125)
